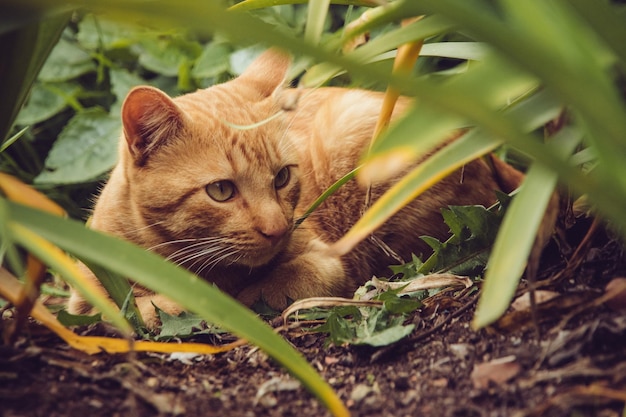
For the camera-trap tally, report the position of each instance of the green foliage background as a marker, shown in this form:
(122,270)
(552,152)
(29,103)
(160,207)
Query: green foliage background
(503,69)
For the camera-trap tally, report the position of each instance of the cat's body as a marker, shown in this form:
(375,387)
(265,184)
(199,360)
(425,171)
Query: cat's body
(180,158)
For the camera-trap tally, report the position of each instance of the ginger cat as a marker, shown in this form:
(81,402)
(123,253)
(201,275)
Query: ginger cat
(221,200)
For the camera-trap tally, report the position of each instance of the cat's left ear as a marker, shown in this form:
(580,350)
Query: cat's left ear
(268,73)
(150,119)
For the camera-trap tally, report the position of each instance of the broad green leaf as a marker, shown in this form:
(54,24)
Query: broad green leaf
(23,52)
(122,82)
(473,230)
(213,61)
(95,32)
(518,232)
(165,56)
(183,326)
(242,58)
(398,305)
(46,100)
(373,326)
(85,149)
(180,285)
(66,62)
(386,336)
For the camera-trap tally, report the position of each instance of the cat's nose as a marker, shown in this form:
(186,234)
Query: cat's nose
(274,234)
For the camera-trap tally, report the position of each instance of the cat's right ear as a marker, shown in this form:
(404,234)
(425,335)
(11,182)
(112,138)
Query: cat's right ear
(268,72)
(149,118)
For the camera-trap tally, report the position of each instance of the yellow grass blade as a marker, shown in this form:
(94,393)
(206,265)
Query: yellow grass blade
(403,64)
(435,168)
(67,267)
(19,192)
(10,289)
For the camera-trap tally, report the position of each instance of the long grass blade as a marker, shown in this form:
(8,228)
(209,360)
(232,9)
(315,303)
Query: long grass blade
(517,234)
(327,193)
(181,286)
(421,178)
(316,16)
(529,114)
(60,262)
(425,28)
(10,288)
(261,4)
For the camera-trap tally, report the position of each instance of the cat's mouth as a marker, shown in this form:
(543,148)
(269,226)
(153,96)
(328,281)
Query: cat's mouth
(262,255)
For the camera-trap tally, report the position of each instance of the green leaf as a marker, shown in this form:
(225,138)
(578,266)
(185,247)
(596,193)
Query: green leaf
(23,53)
(66,62)
(213,61)
(182,326)
(98,32)
(518,232)
(122,81)
(45,101)
(387,336)
(242,58)
(474,228)
(85,149)
(165,56)
(398,305)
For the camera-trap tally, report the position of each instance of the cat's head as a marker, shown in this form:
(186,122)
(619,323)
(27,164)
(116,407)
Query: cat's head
(211,181)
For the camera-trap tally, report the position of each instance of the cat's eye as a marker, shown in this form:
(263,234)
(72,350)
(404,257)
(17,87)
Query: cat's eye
(221,191)
(282,178)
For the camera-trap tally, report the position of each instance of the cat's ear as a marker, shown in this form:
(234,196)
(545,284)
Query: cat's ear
(268,72)
(149,118)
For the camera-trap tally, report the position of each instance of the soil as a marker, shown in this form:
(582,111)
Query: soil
(569,361)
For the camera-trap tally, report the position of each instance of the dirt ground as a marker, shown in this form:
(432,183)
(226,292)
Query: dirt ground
(574,364)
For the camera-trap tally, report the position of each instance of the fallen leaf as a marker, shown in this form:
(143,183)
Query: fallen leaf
(615,294)
(330,360)
(276,384)
(424,283)
(497,371)
(541,296)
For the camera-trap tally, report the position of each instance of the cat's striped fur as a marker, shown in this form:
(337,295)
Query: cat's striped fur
(171,150)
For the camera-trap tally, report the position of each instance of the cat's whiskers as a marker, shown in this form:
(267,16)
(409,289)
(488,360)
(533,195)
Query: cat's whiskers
(195,251)
(211,262)
(204,258)
(127,234)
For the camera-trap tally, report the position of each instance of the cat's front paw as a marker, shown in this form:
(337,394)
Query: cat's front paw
(146,305)
(274,299)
